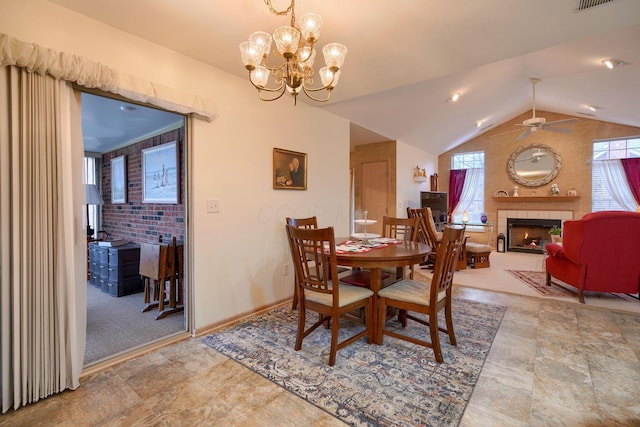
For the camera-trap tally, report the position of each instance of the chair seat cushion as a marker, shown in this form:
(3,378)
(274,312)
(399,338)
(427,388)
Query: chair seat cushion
(409,291)
(348,294)
(477,248)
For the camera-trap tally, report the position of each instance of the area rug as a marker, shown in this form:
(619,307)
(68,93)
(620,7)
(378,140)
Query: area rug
(396,384)
(537,280)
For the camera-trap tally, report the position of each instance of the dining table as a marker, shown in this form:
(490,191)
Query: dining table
(374,258)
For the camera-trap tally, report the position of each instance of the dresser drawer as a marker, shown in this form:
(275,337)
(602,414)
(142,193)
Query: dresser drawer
(125,287)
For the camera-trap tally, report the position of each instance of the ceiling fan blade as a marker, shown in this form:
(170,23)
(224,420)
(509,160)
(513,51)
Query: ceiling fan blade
(562,121)
(555,129)
(524,134)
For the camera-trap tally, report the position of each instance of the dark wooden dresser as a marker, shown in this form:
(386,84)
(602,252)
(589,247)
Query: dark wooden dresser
(115,270)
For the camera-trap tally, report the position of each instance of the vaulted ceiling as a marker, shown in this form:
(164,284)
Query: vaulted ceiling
(407,58)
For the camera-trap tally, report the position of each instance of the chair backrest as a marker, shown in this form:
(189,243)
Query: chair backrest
(314,256)
(311,222)
(446,260)
(428,233)
(406,229)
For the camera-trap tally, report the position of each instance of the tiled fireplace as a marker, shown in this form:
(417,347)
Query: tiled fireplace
(529,234)
(528,230)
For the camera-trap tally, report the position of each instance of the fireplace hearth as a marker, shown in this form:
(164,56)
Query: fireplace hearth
(529,234)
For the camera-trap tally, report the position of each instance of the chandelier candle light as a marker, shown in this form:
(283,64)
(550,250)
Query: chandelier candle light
(295,44)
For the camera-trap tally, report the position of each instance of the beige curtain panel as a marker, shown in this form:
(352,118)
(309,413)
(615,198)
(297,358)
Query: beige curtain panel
(90,74)
(42,287)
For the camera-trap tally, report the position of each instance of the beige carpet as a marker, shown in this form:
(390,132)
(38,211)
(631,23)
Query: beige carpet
(496,278)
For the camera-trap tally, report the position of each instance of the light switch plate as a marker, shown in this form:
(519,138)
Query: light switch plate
(213,206)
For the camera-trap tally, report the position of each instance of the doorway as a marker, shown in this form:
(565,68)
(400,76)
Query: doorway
(374,169)
(123,142)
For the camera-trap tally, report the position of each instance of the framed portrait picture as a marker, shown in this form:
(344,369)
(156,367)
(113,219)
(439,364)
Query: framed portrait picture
(289,170)
(119,180)
(160,174)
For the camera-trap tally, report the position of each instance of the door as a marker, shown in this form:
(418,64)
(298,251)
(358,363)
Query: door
(375,193)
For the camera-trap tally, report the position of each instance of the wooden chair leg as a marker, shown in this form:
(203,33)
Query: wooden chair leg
(435,336)
(146,284)
(369,322)
(382,319)
(301,324)
(294,304)
(335,328)
(449,318)
(161,295)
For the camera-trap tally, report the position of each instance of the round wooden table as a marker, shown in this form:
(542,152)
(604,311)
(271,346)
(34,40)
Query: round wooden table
(391,256)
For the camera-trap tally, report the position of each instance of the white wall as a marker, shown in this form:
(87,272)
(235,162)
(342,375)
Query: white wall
(408,191)
(237,255)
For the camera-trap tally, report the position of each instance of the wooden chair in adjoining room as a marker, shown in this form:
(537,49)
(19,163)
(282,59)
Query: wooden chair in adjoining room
(159,264)
(411,296)
(311,222)
(314,257)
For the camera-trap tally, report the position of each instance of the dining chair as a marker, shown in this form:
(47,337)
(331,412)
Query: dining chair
(412,296)
(428,234)
(310,222)
(405,229)
(314,256)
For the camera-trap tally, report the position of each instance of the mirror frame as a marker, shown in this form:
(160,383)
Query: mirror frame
(555,156)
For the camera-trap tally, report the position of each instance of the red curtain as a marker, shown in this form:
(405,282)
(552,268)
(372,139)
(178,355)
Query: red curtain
(456,183)
(632,171)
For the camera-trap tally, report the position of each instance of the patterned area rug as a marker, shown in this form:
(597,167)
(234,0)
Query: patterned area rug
(537,280)
(397,384)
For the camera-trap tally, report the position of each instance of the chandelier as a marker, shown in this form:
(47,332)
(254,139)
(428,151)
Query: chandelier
(295,47)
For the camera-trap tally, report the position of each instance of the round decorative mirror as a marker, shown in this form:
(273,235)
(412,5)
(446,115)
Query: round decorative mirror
(534,165)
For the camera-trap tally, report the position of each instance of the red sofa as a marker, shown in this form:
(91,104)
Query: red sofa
(599,252)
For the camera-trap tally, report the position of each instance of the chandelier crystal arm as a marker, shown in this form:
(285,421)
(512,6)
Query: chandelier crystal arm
(262,98)
(306,92)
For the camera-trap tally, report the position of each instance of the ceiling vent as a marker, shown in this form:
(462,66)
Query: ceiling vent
(588,4)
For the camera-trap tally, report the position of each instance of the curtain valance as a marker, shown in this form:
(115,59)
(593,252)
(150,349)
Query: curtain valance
(91,74)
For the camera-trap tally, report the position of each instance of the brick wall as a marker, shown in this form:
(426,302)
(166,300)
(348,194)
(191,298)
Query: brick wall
(136,221)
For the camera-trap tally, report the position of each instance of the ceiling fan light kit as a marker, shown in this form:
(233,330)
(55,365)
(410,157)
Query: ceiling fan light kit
(295,45)
(611,63)
(540,123)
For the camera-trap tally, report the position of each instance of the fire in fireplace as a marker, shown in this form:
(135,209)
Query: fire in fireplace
(529,234)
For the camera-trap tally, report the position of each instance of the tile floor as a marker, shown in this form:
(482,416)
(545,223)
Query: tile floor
(552,363)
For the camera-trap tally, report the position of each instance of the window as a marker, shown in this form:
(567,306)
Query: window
(91,177)
(612,149)
(474,199)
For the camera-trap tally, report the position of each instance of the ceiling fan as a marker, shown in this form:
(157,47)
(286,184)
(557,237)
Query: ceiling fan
(534,157)
(539,123)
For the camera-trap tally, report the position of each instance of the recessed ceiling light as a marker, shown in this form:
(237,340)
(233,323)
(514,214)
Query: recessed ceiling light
(479,123)
(591,107)
(126,108)
(612,63)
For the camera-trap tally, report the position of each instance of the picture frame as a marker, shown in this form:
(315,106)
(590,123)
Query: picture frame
(119,180)
(161,174)
(289,170)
